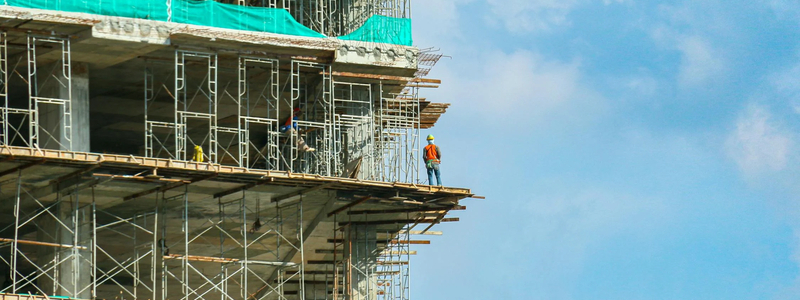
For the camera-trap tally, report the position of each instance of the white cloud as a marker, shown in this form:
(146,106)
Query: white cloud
(786,86)
(700,33)
(643,85)
(784,8)
(565,230)
(546,84)
(700,62)
(531,15)
(435,20)
(757,144)
(521,87)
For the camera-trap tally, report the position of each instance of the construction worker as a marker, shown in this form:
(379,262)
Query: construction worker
(198,154)
(432,156)
(290,126)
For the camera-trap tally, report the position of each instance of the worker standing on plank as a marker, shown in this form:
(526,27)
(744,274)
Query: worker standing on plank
(290,126)
(432,156)
(198,154)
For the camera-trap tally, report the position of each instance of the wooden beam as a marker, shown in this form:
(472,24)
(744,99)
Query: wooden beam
(38,243)
(242,188)
(340,252)
(225,260)
(434,223)
(349,205)
(385,262)
(168,187)
(414,242)
(407,221)
(139,178)
(318,272)
(405,210)
(76,173)
(293,195)
(22,167)
(384,77)
(401,242)
(296,281)
(413,252)
(417,232)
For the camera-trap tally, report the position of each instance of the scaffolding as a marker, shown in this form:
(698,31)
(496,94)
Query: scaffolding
(334,17)
(399,136)
(394,267)
(222,199)
(354,130)
(44,121)
(168,247)
(368,266)
(359,130)
(259,106)
(311,94)
(52,262)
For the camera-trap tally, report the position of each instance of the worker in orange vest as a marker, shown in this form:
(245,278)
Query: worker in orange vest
(432,156)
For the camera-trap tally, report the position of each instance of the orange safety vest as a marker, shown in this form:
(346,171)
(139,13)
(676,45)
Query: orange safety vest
(431,153)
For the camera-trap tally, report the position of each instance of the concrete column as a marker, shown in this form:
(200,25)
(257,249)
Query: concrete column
(74,272)
(51,116)
(362,249)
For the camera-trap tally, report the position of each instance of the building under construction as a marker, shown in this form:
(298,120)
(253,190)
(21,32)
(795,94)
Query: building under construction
(161,149)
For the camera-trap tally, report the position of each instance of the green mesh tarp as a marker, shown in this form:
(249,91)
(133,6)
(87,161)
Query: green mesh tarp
(140,9)
(215,14)
(197,12)
(382,29)
(377,29)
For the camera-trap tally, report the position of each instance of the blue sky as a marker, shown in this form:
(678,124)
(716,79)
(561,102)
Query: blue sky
(627,149)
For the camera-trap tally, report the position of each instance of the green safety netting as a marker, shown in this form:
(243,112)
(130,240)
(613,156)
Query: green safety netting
(382,29)
(140,9)
(197,12)
(215,14)
(378,29)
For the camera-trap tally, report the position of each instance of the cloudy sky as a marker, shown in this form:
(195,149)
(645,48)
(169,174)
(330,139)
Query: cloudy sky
(628,149)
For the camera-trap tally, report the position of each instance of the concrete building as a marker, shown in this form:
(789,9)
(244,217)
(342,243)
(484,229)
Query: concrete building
(149,149)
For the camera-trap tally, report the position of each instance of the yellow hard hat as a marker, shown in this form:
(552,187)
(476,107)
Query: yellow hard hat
(430,137)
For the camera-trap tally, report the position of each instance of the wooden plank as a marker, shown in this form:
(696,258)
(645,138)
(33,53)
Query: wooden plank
(409,221)
(242,188)
(37,243)
(418,232)
(168,187)
(22,167)
(405,210)
(384,77)
(349,205)
(79,159)
(412,242)
(283,198)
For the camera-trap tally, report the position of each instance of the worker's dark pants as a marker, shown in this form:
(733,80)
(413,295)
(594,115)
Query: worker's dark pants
(434,170)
